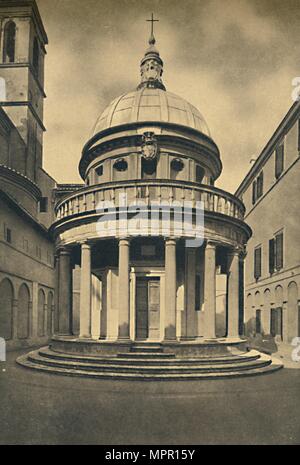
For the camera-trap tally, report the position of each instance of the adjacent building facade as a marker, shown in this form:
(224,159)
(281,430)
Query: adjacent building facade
(26,190)
(271,194)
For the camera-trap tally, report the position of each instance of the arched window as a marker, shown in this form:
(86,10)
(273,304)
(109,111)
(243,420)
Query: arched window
(9,42)
(36,55)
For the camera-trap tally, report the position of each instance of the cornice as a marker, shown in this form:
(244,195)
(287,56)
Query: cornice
(69,223)
(29,105)
(134,141)
(25,214)
(285,125)
(21,180)
(28,65)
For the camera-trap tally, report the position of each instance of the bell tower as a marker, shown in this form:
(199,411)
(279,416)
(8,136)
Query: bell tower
(22,52)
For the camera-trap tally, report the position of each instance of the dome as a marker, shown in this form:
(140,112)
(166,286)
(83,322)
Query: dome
(151,105)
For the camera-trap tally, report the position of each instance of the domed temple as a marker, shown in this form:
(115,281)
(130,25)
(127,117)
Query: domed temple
(147,236)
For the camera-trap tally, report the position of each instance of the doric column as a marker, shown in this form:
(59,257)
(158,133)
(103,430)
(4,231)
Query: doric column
(124,310)
(170,289)
(85,291)
(233,294)
(191,328)
(65,292)
(210,290)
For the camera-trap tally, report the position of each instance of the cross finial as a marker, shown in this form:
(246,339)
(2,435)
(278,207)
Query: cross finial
(152,21)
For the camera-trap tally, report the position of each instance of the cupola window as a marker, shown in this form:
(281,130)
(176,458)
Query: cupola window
(148,169)
(9,42)
(121,165)
(177,164)
(99,170)
(199,173)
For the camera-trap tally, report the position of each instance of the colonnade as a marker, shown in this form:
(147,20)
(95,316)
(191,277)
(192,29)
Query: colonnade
(65,291)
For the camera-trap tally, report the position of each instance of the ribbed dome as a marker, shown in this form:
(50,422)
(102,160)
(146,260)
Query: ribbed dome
(151,104)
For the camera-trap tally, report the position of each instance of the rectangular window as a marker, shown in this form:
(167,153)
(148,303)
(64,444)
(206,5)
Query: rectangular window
(254,192)
(199,173)
(276,253)
(8,235)
(271,256)
(25,244)
(260,185)
(257,263)
(197,292)
(279,160)
(279,251)
(43,204)
(38,252)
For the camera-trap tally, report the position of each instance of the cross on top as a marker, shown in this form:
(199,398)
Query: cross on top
(152,20)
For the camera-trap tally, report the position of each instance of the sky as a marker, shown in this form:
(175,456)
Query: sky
(232,59)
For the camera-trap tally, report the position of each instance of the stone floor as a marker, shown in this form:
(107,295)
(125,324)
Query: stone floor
(38,408)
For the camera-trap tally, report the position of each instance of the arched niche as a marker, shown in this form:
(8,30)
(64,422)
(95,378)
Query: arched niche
(23,312)
(41,313)
(6,308)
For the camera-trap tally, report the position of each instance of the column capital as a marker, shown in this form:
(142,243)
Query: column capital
(124,241)
(210,244)
(170,240)
(85,245)
(62,250)
(235,251)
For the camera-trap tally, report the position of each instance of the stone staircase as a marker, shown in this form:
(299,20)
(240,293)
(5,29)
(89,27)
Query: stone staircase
(149,362)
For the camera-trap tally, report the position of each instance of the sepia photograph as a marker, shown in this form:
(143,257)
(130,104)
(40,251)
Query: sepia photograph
(149,225)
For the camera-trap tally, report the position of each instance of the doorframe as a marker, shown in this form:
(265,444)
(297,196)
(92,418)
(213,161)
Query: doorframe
(147,272)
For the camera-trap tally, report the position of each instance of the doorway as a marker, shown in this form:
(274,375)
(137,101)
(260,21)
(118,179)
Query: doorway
(147,308)
(258,322)
(276,322)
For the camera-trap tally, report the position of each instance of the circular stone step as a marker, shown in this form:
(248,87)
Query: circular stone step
(177,368)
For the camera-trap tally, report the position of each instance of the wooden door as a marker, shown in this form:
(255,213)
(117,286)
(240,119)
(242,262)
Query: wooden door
(154,307)
(141,308)
(147,308)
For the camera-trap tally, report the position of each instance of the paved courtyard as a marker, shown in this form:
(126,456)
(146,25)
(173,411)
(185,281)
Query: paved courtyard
(39,408)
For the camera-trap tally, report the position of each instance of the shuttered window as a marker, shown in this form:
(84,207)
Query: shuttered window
(276,253)
(253,192)
(260,185)
(279,160)
(257,263)
(271,256)
(279,251)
